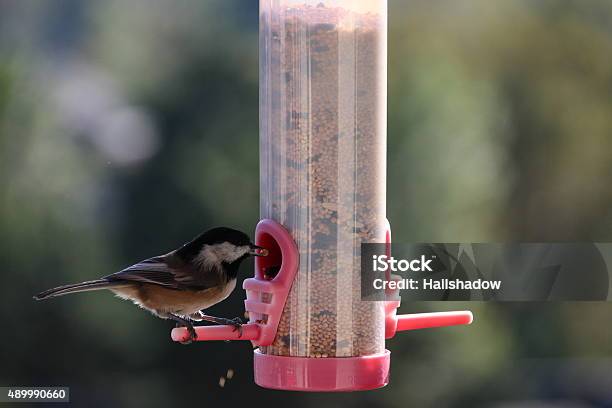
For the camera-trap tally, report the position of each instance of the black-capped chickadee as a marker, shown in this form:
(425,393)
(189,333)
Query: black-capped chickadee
(182,283)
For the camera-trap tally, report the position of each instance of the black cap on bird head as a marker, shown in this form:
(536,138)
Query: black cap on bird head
(222,244)
(219,235)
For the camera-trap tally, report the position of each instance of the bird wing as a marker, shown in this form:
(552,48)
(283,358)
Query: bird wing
(166,271)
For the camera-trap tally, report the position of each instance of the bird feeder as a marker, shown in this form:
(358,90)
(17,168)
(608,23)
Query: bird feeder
(323,80)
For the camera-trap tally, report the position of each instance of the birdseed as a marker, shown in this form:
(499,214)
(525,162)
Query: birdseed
(323,155)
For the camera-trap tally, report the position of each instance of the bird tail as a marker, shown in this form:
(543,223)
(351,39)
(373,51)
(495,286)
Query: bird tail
(78,287)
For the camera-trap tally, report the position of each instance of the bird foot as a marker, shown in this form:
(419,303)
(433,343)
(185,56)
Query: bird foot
(237,323)
(193,336)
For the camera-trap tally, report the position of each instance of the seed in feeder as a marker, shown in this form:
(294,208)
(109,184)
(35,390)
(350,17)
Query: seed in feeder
(323,164)
(230,374)
(221,382)
(271,272)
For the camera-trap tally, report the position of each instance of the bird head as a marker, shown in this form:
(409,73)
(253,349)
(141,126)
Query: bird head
(220,247)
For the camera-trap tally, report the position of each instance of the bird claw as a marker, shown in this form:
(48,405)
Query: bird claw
(193,336)
(237,323)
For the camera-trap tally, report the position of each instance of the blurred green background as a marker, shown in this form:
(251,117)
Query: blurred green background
(127,126)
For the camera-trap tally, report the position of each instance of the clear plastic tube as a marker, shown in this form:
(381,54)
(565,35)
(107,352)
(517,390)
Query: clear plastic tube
(323,164)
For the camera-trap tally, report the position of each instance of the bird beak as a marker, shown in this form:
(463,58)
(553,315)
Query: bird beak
(258,251)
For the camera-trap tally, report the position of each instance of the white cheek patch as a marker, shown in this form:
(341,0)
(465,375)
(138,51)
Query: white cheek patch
(214,255)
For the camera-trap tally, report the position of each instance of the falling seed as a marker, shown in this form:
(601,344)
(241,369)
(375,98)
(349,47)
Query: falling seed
(230,374)
(221,382)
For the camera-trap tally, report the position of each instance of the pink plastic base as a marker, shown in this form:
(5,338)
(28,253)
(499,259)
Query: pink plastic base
(322,374)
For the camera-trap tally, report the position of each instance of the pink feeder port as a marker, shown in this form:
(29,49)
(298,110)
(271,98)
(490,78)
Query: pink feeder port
(267,294)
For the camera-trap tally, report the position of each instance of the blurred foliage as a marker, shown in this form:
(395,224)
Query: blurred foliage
(128,126)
